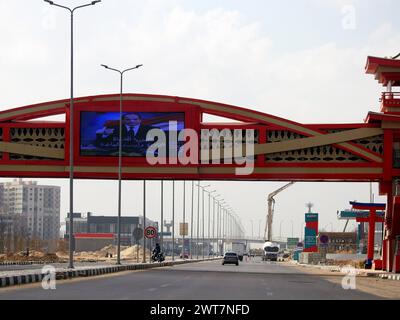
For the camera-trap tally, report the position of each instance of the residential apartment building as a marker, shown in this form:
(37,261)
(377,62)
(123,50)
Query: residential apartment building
(34,209)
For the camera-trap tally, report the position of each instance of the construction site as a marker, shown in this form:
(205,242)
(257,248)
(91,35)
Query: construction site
(106,254)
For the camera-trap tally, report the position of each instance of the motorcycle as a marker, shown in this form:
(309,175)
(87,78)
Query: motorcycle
(158,257)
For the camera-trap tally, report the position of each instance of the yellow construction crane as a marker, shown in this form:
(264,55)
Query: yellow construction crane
(270,215)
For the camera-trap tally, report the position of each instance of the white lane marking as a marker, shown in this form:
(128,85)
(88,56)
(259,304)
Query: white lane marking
(165,285)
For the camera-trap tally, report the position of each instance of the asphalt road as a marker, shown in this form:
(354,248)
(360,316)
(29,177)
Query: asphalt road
(208,280)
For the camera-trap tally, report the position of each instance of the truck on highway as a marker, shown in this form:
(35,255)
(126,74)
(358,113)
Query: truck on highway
(271,251)
(238,247)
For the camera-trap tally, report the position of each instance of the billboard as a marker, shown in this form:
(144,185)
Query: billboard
(292,242)
(100,132)
(310,239)
(311,232)
(183,229)
(311,217)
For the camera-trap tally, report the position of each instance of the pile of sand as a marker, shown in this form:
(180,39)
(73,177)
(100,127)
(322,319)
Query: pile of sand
(88,256)
(104,254)
(132,252)
(358,264)
(62,255)
(33,256)
(127,253)
(108,249)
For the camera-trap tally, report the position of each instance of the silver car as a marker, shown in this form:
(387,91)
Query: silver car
(230,258)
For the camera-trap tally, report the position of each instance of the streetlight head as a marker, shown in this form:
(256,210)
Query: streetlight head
(138,66)
(103,65)
(94,2)
(48,1)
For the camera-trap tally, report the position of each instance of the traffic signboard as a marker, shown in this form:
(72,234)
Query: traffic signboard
(166,234)
(324,239)
(292,242)
(150,232)
(183,229)
(138,234)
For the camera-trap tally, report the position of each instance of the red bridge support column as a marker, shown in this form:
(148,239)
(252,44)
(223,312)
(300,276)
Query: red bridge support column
(386,256)
(394,248)
(371,238)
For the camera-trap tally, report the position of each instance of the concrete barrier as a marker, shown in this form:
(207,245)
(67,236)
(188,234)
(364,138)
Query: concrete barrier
(23,263)
(395,277)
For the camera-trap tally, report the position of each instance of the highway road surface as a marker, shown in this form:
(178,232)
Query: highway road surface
(209,280)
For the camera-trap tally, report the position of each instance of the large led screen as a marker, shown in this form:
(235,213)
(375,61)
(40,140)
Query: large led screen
(100,131)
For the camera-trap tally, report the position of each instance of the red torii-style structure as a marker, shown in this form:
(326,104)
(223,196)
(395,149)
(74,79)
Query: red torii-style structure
(284,150)
(387,72)
(371,220)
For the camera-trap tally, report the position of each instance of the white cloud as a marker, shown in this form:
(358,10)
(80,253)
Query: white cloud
(216,55)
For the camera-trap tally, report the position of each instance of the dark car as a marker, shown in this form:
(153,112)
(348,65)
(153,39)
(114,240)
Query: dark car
(230,258)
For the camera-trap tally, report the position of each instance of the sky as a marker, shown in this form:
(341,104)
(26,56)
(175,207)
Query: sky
(300,60)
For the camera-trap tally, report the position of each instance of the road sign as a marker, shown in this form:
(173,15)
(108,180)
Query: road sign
(138,234)
(292,242)
(311,217)
(324,239)
(183,229)
(166,234)
(311,232)
(310,238)
(150,232)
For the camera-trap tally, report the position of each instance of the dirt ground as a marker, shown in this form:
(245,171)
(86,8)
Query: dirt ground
(358,264)
(106,254)
(33,256)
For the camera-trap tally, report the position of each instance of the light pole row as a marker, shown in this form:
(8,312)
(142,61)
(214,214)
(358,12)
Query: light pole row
(226,224)
(222,223)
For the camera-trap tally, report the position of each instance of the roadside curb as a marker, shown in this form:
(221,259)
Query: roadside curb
(23,263)
(13,263)
(24,279)
(8,281)
(359,272)
(395,277)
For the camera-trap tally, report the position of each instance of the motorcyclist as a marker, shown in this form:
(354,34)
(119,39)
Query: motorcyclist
(156,251)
